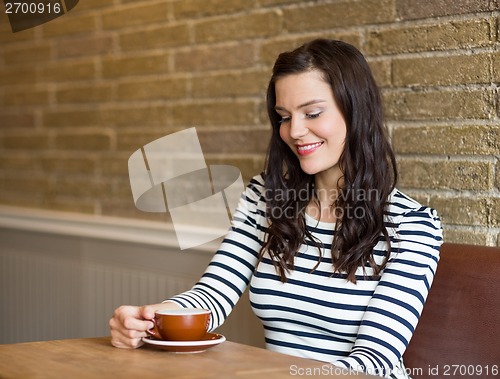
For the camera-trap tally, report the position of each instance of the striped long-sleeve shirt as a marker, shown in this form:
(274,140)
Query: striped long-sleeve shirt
(364,326)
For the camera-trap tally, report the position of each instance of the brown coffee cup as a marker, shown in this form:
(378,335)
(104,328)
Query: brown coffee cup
(185,324)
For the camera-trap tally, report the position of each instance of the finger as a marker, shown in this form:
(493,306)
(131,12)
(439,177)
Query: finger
(123,333)
(147,312)
(121,337)
(127,343)
(131,323)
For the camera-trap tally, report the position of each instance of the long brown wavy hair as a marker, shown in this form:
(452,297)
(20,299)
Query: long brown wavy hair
(367,163)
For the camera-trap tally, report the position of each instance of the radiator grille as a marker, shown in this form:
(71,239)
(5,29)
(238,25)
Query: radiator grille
(52,298)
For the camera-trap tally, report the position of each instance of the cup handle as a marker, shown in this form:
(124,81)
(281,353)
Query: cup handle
(153,332)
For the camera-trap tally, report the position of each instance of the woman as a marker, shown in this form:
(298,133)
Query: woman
(339,262)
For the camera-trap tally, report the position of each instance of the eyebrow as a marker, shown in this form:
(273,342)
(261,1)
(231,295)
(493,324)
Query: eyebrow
(307,103)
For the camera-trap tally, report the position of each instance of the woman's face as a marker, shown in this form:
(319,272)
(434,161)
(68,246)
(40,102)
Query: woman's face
(311,122)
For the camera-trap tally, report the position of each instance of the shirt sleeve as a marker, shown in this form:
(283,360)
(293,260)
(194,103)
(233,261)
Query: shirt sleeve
(395,308)
(232,266)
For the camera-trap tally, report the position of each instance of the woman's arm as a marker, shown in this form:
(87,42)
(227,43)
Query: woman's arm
(395,308)
(221,285)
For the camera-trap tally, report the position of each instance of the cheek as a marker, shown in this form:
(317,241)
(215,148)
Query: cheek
(335,129)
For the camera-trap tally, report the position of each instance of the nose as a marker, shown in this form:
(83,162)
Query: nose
(298,128)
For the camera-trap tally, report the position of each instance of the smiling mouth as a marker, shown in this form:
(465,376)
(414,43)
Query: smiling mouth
(309,148)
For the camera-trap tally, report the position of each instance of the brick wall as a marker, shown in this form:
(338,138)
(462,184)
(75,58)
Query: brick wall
(79,94)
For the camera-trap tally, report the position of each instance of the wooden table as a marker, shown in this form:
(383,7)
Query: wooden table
(95,358)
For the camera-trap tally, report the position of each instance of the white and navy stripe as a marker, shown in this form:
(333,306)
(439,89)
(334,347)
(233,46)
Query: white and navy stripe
(364,326)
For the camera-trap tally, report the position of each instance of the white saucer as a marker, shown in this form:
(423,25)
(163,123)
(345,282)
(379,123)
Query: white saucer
(210,340)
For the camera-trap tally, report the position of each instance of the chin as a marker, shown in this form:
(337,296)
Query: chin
(310,170)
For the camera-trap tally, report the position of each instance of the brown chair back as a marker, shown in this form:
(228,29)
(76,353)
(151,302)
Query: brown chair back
(460,323)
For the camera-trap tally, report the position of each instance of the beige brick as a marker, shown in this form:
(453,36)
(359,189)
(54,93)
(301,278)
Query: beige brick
(468,236)
(26,141)
(239,27)
(442,71)
(263,117)
(461,211)
(145,64)
(165,36)
(84,46)
(71,24)
(231,84)
(36,53)
(58,164)
(18,161)
(116,164)
(270,50)
(381,70)
(18,75)
(195,9)
(494,212)
(92,141)
(138,117)
(443,36)
(71,118)
(68,71)
(169,88)
(95,93)
(429,105)
(27,185)
(18,200)
(497,174)
(135,14)
(456,175)
(496,64)
(279,2)
(83,188)
(95,5)
(17,120)
(474,139)
(494,5)
(22,96)
(120,190)
(338,14)
(241,55)
(414,9)
(134,140)
(234,141)
(214,114)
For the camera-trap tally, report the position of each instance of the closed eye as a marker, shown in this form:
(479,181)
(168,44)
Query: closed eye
(284,119)
(313,115)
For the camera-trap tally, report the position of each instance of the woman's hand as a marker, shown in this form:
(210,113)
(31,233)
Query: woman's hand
(129,324)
